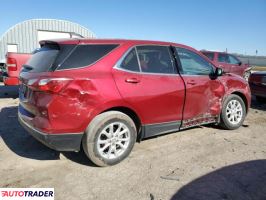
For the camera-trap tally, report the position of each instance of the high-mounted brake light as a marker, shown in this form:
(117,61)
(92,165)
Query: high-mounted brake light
(53,85)
(11,64)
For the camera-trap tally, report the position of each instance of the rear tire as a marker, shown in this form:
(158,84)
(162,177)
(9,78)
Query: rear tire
(109,138)
(233,112)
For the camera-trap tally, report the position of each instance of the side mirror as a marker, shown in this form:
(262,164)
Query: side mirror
(240,63)
(218,71)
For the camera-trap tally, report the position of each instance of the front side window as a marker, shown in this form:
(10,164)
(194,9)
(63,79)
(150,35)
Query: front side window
(193,64)
(233,60)
(130,62)
(222,57)
(155,59)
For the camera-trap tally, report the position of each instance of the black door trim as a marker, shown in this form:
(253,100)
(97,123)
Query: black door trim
(160,128)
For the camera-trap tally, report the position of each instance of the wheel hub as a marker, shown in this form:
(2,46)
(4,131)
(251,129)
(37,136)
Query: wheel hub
(234,111)
(113,140)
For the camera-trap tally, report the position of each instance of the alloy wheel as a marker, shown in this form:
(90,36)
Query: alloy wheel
(234,111)
(113,140)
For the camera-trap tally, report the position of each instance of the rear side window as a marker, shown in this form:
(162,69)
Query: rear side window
(209,55)
(130,61)
(155,59)
(43,59)
(84,55)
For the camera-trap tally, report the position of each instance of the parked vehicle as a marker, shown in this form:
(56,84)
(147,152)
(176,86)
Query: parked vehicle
(106,94)
(2,71)
(229,63)
(257,83)
(14,62)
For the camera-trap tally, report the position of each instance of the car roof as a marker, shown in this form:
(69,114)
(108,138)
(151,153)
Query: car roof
(113,41)
(213,51)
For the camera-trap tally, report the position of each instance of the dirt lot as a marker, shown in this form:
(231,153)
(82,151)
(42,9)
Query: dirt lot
(200,163)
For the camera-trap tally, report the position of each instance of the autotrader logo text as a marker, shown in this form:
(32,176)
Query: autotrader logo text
(27,193)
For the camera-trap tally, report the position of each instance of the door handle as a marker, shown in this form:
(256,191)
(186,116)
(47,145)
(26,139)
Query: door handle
(191,82)
(132,80)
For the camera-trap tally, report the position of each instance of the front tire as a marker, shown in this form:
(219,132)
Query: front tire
(109,138)
(233,112)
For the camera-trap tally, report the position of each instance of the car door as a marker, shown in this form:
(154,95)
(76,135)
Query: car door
(203,92)
(223,62)
(147,80)
(236,67)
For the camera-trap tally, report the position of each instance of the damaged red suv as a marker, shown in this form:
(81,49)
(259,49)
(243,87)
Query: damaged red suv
(104,95)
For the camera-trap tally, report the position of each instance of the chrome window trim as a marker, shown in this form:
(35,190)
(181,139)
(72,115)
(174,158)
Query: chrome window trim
(138,59)
(144,73)
(118,63)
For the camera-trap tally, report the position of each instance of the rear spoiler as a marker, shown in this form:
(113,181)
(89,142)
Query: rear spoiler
(60,41)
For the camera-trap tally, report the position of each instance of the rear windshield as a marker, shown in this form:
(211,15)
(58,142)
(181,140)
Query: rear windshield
(209,55)
(43,58)
(54,57)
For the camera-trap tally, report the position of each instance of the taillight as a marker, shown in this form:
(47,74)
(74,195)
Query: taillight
(53,85)
(11,64)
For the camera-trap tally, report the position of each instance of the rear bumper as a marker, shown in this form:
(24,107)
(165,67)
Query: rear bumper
(59,142)
(10,80)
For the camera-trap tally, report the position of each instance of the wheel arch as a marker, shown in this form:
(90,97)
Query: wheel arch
(243,97)
(131,113)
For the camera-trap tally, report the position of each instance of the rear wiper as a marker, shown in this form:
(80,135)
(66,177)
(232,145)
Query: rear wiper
(28,67)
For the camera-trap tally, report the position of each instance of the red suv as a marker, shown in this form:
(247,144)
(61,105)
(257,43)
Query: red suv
(106,94)
(229,63)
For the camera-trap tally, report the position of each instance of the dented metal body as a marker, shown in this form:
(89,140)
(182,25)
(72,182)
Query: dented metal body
(160,103)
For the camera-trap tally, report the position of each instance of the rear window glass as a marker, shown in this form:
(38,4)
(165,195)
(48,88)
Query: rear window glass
(84,55)
(209,55)
(131,61)
(53,57)
(43,58)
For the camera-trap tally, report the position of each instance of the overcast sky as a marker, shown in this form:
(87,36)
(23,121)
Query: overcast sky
(238,25)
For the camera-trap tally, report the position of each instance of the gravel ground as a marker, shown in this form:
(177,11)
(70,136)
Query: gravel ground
(199,163)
